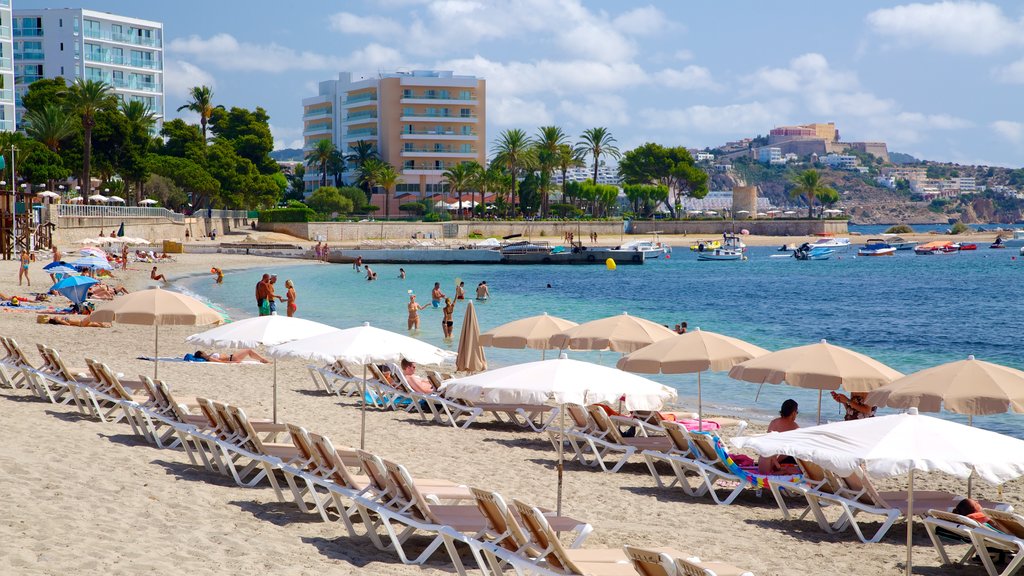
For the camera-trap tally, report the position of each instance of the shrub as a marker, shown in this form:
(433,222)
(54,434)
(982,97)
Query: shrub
(414,208)
(436,217)
(959,228)
(287,215)
(900,229)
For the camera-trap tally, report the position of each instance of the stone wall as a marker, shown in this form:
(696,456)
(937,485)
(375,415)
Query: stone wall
(354,232)
(757,227)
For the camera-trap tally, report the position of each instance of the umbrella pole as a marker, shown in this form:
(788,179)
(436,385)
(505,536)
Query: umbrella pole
(561,441)
(700,406)
(970,479)
(758,395)
(362,415)
(819,406)
(910,521)
(156,350)
(275,390)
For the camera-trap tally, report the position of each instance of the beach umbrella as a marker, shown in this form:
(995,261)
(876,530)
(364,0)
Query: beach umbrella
(262,331)
(535,332)
(362,345)
(621,333)
(887,446)
(820,366)
(560,381)
(94,262)
(60,268)
(93,252)
(75,288)
(789,212)
(97,198)
(471,356)
(117,199)
(147,202)
(75,199)
(691,352)
(90,241)
(54,265)
(832,211)
(48,194)
(156,307)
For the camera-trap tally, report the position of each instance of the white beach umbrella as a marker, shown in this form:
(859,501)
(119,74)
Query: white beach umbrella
(362,345)
(833,211)
(710,212)
(89,241)
(76,199)
(261,331)
(147,202)
(47,194)
(97,198)
(888,446)
(789,212)
(762,213)
(561,381)
(621,333)
(117,199)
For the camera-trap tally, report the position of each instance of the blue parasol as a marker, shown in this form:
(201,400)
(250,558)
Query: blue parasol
(75,288)
(91,262)
(53,265)
(62,269)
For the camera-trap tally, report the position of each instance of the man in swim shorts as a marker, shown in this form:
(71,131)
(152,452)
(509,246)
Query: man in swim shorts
(436,296)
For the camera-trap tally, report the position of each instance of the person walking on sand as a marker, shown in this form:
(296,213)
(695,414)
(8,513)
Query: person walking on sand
(460,291)
(154,275)
(447,321)
(414,312)
(436,295)
(262,303)
(124,256)
(482,291)
(56,254)
(23,268)
(290,296)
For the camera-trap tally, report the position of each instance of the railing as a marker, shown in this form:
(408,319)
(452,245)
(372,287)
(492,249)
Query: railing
(22,31)
(6,94)
(80,211)
(5,32)
(107,58)
(431,166)
(27,79)
(218,213)
(437,115)
(361,116)
(361,98)
(6,125)
(447,150)
(318,113)
(318,127)
(130,84)
(124,38)
(29,55)
(5,63)
(5,3)
(436,133)
(357,133)
(437,97)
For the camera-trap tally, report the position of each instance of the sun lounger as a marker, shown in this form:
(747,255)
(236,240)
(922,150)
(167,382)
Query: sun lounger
(680,449)
(954,526)
(604,440)
(1009,538)
(14,361)
(336,378)
(504,528)
(697,567)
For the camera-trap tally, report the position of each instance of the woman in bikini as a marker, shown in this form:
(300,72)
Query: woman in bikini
(23,270)
(414,313)
(446,320)
(290,297)
(234,358)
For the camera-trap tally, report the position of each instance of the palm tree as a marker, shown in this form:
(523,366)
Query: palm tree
(548,140)
(808,184)
(459,178)
(385,175)
(336,165)
(86,98)
(568,157)
(598,142)
(320,156)
(201,102)
(50,125)
(512,150)
(140,119)
(368,174)
(360,152)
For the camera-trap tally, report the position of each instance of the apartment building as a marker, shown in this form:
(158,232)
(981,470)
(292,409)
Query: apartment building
(605,175)
(7,114)
(422,122)
(124,52)
(770,155)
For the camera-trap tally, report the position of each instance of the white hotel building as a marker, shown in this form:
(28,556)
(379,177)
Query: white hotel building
(124,52)
(6,68)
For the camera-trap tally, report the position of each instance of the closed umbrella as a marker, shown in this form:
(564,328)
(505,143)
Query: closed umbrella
(156,307)
(820,366)
(471,356)
(75,288)
(362,345)
(695,351)
(561,381)
(535,332)
(622,333)
(261,331)
(888,446)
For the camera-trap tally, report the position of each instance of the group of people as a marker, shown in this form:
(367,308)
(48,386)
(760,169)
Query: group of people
(267,298)
(438,299)
(322,251)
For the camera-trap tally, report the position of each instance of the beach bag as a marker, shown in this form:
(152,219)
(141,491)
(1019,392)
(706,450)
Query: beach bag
(265,308)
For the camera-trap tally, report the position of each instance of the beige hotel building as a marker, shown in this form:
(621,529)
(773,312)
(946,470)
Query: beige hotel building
(423,122)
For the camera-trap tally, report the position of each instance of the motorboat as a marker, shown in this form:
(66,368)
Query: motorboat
(810,252)
(1016,240)
(732,248)
(651,249)
(702,245)
(787,248)
(963,246)
(899,243)
(937,247)
(998,243)
(831,243)
(876,247)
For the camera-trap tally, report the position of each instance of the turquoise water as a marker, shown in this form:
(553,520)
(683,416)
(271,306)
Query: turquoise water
(911,312)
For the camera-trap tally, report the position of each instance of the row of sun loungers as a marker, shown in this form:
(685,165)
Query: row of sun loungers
(371,496)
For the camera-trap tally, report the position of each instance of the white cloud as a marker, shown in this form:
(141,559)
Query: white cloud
(181,76)
(806,72)
(971,27)
(596,39)
(376,26)
(684,55)
(514,111)
(286,136)
(747,118)
(689,78)
(596,109)
(548,76)
(1010,130)
(1012,73)
(644,20)
(225,51)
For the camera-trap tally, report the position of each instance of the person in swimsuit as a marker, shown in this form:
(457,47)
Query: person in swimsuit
(23,269)
(261,294)
(436,295)
(401,273)
(358,264)
(271,295)
(414,312)
(154,275)
(460,291)
(290,296)
(446,321)
(218,274)
(482,291)
(784,423)
(235,358)
(856,406)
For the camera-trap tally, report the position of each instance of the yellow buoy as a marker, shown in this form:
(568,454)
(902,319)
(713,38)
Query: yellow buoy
(610,263)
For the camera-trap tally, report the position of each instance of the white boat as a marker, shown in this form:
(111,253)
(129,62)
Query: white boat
(1017,240)
(876,247)
(899,243)
(831,243)
(732,249)
(808,252)
(650,248)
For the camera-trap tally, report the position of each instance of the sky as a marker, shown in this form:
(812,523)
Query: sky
(938,80)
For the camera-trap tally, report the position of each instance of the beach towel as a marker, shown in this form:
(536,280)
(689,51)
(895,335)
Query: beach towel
(194,360)
(756,480)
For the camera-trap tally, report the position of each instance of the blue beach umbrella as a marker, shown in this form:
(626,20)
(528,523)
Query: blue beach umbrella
(61,269)
(74,288)
(92,262)
(49,267)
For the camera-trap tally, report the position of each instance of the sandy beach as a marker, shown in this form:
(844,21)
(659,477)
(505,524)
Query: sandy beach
(85,497)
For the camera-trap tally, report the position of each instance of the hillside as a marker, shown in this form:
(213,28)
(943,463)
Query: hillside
(287,155)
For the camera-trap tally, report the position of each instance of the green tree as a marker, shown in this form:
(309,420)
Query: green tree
(598,142)
(459,179)
(135,144)
(529,193)
(320,156)
(368,172)
(192,178)
(166,192)
(359,154)
(181,139)
(50,125)
(87,98)
(828,196)
(327,200)
(201,102)
(356,196)
(336,166)
(549,141)
(388,177)
(568,157)
(45,91)
(808,184)
(41,165)
(296,183)
(248,131)
(673,167)
(513,151)
(645,197)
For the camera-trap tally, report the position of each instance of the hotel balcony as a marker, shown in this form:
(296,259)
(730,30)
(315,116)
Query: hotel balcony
(6,94)
(122,38)
(424,117)
(105,57)
(360,100)
(361,118)
(6,125)
(430,152)
(434,135)
(318,113)
(5,32)
(29,55)
(437,100)
(19,32)
(318,128)
(6,64)
(426,168)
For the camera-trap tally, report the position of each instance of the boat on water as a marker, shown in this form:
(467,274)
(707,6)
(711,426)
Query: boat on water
(1016,240)
(542,253)
(702,245)
(732,248)
(876,247)
(831,243)
(999,243)
(967,246)
(899,243)
(937,247)
(788,248)
(650,248)
(808,251)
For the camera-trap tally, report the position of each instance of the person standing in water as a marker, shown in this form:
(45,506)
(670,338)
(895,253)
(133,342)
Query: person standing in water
(23,269)
(290,297)
(401,273)
(436,295)
(482,291)
(447,321)
(460,291)
(218,275)
(414,312)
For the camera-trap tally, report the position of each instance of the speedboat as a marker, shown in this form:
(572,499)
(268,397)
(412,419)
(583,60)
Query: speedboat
(810,252)
(876,247)
(649,248)
(998,243)
(732,248)
(1017,240)
(968,246)
(702,245)
(831,243)
(899,243)
(937,247)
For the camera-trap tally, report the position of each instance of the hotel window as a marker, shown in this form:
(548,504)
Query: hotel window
(408,111)
(76,25)
(445,112)
(406,93)
(438,147)
(409,129)
(431,112)
(409,147)
(443,94)
(438,129)
(465,112)
(467,130)
(408,165)
(116,31)
(429,93)
(92,27)
(465,95)
(438,165)
(78,50)
(467,148)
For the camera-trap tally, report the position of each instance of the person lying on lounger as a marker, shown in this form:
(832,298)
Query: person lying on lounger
(83,322)
(105,291)
(234,358)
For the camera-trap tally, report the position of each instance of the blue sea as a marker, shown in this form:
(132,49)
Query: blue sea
(911,312)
